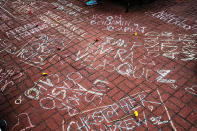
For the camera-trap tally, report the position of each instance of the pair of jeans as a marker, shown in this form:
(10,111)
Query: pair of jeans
(2,125)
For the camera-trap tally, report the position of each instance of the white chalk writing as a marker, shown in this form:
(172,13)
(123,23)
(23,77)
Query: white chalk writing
(68,29)
(100,119)
(116,23)
(8,76)
(26,30)
(19,124)
(60,97)
(173,19)
(192,90)
(38,49)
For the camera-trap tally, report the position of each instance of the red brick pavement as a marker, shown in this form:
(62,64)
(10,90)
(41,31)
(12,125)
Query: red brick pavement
(98,71)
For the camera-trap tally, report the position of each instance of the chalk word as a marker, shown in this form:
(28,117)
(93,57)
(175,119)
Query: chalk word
(38,49)
(116,23)
(66,97)
(68,25)
(73,6)
(69,34)
(48,21)
(8,76)
(128,70)
(163,74)
(105,118)
(192,90)
(157,120)
(173,19)
(21,121)
(23,6)
(12,14)
(26,30)
(7,46)
(125,68)
(65,5)
(181,46)
(68,29)
(68,11)
(106,48)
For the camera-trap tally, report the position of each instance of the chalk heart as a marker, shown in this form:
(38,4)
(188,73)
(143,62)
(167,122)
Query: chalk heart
(23,123)
(151,108)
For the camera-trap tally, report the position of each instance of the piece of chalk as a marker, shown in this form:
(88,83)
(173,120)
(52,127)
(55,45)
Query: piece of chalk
(135,34)
(136,113)
(58,48)
(44,74)
(96,39)
(30,12)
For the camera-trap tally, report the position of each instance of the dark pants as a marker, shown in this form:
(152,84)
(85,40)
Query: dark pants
(2,125)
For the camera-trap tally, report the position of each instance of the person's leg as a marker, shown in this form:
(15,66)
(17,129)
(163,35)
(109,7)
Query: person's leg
(92,2)
(3,125)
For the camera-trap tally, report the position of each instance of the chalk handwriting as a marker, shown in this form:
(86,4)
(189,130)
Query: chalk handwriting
(192,90)
(19,124)
(116,23)
(69,8)
(23,6)
(179,47)
(26,30)
(164,73)
(8,76)
(125,56)
(38,49)
(100,117)
(59,97)
(68,29)
(173,19)
(157,120)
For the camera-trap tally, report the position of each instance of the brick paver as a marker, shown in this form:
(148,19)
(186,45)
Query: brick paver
(102,65)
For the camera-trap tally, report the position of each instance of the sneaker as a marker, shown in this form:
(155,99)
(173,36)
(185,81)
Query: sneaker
(3,125)
(92,2)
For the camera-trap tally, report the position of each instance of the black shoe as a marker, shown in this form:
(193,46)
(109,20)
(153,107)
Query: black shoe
(3,125)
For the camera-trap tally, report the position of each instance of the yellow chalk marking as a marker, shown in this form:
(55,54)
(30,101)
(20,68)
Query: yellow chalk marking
(135,34)
(44,74)
(136,113)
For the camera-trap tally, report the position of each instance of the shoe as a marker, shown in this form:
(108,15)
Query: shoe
(92,2)
(3,125)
